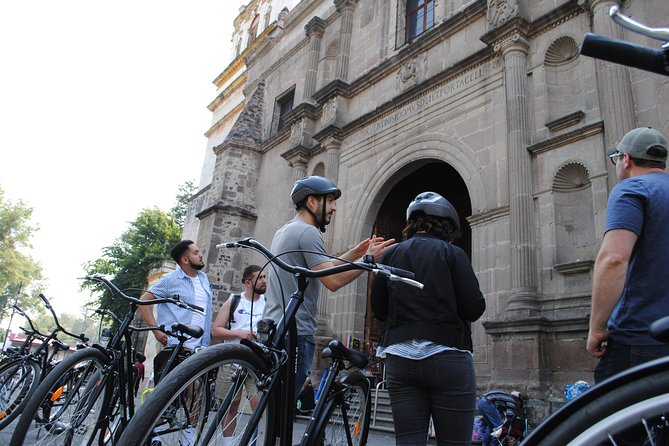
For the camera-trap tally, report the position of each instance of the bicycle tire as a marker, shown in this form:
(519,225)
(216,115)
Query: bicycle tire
(160,415)
(18,381)
(66,408)
(623,403)
(352,399)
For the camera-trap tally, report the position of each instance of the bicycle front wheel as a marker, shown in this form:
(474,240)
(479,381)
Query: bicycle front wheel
(66,407)
(639,406)
(18,381)
(211,395)
(347,413)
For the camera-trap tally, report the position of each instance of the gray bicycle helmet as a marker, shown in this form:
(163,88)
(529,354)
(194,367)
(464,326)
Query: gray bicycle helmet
(313,185)
(434,204)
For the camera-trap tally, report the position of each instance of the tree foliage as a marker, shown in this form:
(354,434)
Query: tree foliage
(142,247)
(20,275)
(180,209)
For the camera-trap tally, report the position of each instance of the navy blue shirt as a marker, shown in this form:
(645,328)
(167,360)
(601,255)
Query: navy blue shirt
(641,205)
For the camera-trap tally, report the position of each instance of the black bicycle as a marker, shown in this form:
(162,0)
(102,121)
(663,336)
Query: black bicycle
(89,397)
(21,373)
(254,382)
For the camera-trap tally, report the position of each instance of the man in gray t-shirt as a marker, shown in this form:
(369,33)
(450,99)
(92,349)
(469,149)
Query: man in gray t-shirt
(314,198)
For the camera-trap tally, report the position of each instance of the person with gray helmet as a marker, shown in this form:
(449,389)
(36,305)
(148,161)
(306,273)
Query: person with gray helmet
(302,240)
(626,293)
(426,340)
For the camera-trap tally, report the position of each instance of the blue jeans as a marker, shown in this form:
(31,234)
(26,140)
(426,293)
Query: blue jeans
(305,357)
(619,357)
(491,420)
(442,386)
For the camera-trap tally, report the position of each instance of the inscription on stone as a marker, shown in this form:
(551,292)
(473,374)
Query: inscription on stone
(420,103)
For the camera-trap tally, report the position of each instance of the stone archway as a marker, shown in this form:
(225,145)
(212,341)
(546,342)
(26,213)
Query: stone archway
(426,175)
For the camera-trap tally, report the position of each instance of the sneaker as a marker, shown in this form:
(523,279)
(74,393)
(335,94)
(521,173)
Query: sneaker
(187,436)
(497,432)
(156,441)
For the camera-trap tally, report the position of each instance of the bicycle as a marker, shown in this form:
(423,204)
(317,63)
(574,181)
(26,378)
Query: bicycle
(265,371)
(21,374)
(638,396)
(89,396)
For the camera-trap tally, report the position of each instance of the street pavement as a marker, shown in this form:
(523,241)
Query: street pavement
(376,438)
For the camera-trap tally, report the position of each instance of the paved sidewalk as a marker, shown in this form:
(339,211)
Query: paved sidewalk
(376,438)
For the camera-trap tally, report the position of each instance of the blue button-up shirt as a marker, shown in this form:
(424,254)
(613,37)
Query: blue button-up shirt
(177,282)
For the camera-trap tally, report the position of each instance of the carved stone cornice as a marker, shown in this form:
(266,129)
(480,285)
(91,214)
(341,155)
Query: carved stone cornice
(298,155)
(337,87)
(234,143)
(228,210)
(566,121)
(345,4)
(303,110)
(581,266)
(315,27)
(328,135)
(487,217)
(567,138)
(590,5)
(512,35)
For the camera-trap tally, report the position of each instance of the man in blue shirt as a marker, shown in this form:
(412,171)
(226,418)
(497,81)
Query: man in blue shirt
(627,289)
(192,286)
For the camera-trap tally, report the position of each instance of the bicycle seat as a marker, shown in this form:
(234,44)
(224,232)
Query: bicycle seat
(60,345)
(336,349)
(660,329)
(191,330)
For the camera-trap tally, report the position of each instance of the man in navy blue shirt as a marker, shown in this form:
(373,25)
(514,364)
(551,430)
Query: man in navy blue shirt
(627,289)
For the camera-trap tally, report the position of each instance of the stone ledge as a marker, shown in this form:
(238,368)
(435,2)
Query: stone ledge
(579,266)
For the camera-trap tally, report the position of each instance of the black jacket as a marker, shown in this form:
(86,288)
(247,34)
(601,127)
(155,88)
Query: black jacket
(442,310)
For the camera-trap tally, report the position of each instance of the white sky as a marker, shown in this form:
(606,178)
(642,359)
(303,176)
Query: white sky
(102,114)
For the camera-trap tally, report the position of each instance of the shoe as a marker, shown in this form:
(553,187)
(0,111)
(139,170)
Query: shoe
(156,441)
(187,436)
(497,432)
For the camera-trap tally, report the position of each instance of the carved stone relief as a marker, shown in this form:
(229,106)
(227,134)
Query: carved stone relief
(501,11)
(297,132)
(412,72)
(329,114)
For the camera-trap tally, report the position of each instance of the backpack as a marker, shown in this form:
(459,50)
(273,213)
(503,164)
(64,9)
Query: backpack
(233,306)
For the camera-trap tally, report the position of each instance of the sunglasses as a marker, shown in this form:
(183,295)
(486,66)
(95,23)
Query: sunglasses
(614,158)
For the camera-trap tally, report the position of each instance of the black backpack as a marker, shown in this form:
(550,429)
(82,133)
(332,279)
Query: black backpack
(233,306)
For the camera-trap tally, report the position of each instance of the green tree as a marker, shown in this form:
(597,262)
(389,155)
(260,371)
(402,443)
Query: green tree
(180,209)
(20,275)
(143,246)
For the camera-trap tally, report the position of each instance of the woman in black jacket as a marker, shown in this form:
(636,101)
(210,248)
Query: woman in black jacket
(426,340)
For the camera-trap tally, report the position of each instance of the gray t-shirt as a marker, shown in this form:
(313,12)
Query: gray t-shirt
(296,235)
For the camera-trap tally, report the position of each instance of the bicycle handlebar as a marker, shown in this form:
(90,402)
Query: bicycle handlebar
(81,336)
(159,300)
(30,322)
(625,53)
(638,27)
(388,272)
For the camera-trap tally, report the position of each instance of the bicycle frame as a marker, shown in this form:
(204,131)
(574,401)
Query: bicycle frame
(286,335)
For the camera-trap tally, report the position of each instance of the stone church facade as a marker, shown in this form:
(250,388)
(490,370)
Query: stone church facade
(485,102)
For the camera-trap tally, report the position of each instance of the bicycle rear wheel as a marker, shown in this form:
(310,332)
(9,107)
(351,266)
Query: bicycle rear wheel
(66,407)
(210,395)
(639,404)
(18,381)
(347,413)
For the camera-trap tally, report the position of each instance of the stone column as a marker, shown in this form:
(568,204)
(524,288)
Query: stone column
(346,8)
(523,299)
(314,30)
(614,88)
